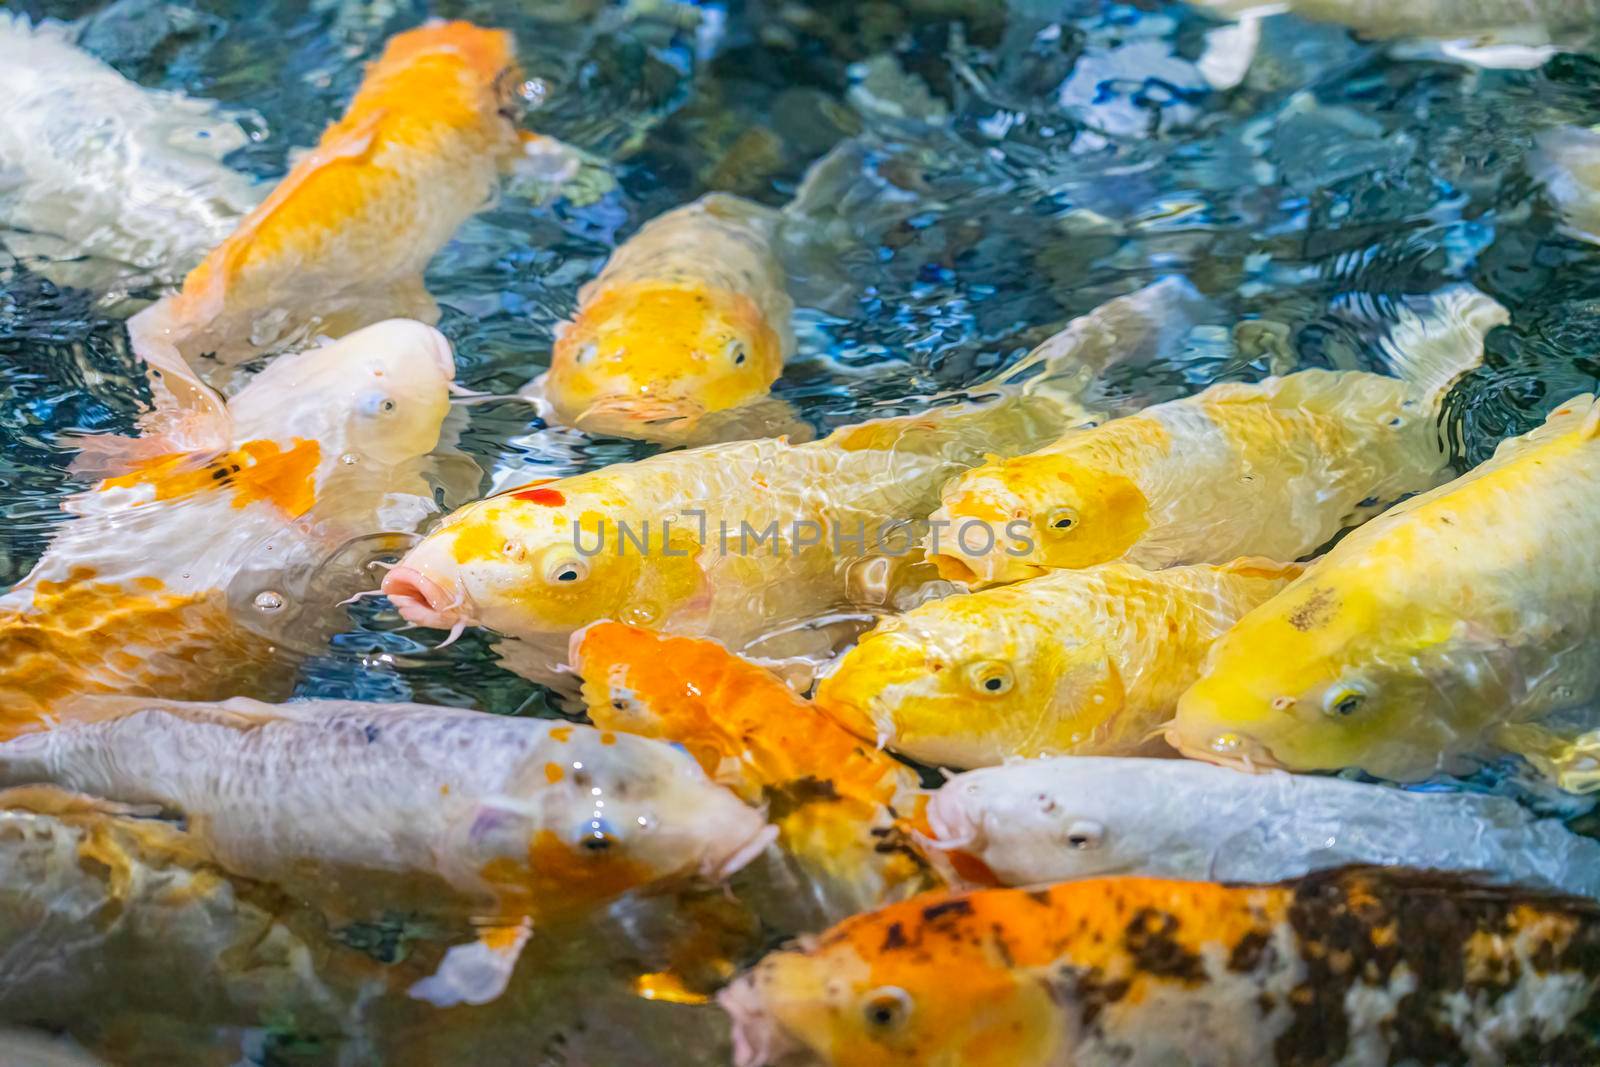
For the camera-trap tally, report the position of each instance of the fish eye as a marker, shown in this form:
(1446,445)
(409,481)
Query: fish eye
(375,404)
(596,836)
(1058,521)
(1343,700)
(735,352)
(1084,835)
(586,352)
(990,678)
(886,1008)
(566,570)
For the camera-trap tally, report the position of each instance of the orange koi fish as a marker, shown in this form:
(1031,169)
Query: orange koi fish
(138,592)
(839,803)
(1360,966)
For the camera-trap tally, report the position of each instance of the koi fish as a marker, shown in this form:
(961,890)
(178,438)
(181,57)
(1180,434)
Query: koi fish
(139,591)
(727,539)
(686,327)
(839,804)
(102,181)
(1567,163)
(103,912)
(1082,817)
(343,240)
(1074,663)
(1271,469)
(1418,638)
(516,820)
(1510,34)
(1359,966)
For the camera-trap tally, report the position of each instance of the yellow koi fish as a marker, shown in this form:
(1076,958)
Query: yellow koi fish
(138,591)
(1359,966)
(1272,469)
(1075,663)
(688,323)
(726,541)
(1412,643)
(511,821)
(343,240)
(838,803)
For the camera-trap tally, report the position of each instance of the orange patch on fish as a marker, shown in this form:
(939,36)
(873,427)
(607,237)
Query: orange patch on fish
(256,471)
(558,877)
(553,773)
(548,497)
(561,733)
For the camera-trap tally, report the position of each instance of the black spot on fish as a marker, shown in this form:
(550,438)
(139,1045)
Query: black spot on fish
(1002,949)
(1087,988)
(1149,939)
(1246,955)
(894,938)
(1040,897)
(789,797)
(1317,609)
(956,908)
(372,733)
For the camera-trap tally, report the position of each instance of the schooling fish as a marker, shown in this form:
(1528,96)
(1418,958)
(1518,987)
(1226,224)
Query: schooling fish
(344,238)
(1270,469)
(1411,644)
(727,541)
(103,913)
(1361,967)
(1567,162)
(402,805)
(136,592)
(1077,662)
(687,326)
(1080,817)
(839,804)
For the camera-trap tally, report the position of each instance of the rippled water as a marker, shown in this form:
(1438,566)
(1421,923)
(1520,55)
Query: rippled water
(998,169)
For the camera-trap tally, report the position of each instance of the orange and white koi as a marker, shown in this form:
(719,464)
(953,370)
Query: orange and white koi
(1441,631)
(1363,966)
(840,805)
(343,240)
(745,536)
(513,821)
(138,592)
(1083,662)
(1273,469)
(688,323)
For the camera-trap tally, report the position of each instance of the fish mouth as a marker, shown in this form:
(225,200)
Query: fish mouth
(631,416)
(422,601)
(741,856)
(759,1039)
(959,568)
(1227,749)
(953,828)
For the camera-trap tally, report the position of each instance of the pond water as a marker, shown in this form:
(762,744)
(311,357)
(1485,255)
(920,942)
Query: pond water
(997,169)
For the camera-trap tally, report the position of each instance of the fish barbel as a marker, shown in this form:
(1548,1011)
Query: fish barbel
(1407,647)
(689,319)
(1084,816)
(1361,966)
(1074,663)
(1271,469)
(134,593)
(839,803)
(729,540)
(343,239)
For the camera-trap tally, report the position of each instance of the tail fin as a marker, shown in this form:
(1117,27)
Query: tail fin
(1439,345)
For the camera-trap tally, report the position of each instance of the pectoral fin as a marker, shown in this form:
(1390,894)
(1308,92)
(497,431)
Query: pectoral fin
(1572,762)
(478,971)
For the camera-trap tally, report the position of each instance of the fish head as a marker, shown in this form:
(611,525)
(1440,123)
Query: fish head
(894,988)
(639,358)
(594,814)
(379,395)
(545,560)
(468,74)
(971,680)
(1327,675)
(645,682)
(1045,511)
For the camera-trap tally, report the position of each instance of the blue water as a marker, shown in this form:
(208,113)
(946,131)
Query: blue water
(1002,168)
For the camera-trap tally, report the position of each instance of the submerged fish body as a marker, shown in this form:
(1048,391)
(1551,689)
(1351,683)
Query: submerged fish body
(1359,966)
(1082,817)
(839,804)
(1428,18)
(344,238)
(135,593)
(748,535)
(1405,647)
(1272,469)
(1077,662)
(689,318)
(99,908)
(343,800)
(117,182)
(1567,162)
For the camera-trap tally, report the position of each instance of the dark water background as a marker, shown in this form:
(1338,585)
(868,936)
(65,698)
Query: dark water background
(1014,165)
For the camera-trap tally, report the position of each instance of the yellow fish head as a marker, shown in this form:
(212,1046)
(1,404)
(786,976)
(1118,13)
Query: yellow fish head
(892,989)
(542,561)
(465,73)
(974,680)
(1323,677)
(642,358)
(1042,512)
